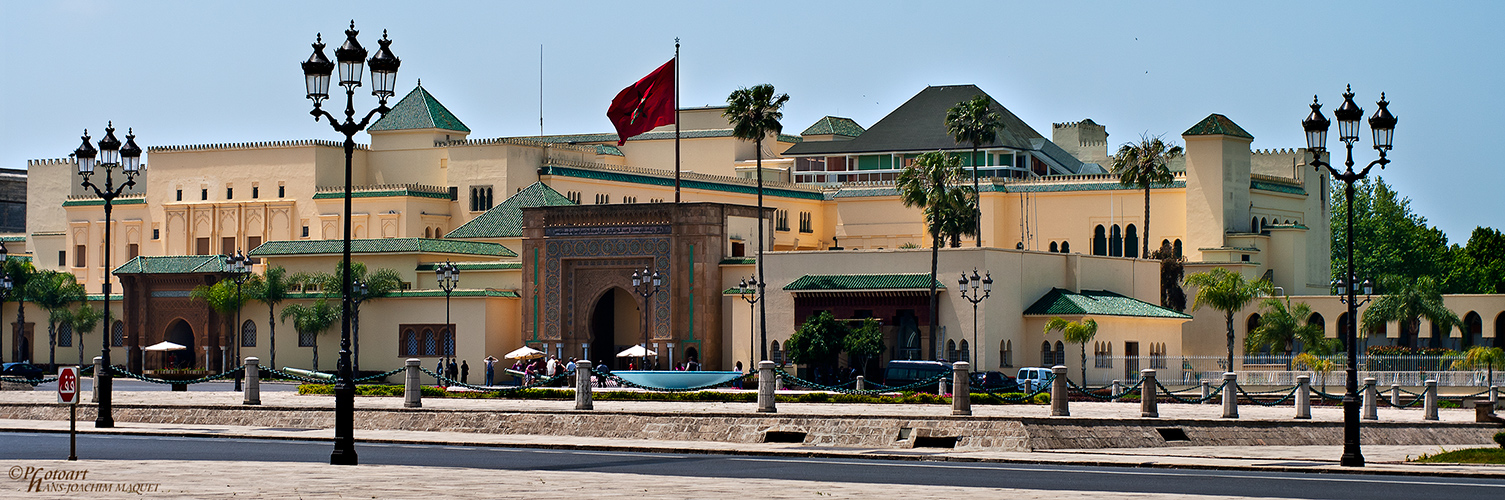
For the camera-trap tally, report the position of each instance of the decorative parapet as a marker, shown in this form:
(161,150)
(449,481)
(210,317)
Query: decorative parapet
(383,190)
(692,180)
(251,145)
(90,200)
(516,141)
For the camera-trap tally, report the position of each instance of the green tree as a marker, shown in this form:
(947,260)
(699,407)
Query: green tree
(273,288)
(83,321)
(959,216)
(21,274)
(974,121)
(224,300)
(1172,269)
(382,283)
(1480,357)
(1075,333)
(1408,301)
(312,320)
(54,291)
(1389,239)
(864,344)
(927,184)
(1319,365)
(1283,324)
(818,342)
(1144,165)
(1478,267)
(754,114)
(1226,291)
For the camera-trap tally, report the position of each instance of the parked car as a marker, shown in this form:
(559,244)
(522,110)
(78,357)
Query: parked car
(22,370)
(1032,379)
(994,381)
(904,372)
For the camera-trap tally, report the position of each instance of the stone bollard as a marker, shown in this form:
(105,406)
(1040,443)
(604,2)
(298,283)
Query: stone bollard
(253,381)
(861,383)
(1430,410)
(1395,395)
(1206,391)
(778,383)
(767,383)
(1118,389)
(583,386)
(412,389)
(1058,407)
(940,387)
(99,365)
(1148,406)
(1371,407)
(1304,397)
(1494,395)
(961,398)
(1230,395)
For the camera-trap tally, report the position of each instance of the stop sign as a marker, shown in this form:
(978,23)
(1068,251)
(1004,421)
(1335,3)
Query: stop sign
(67,385)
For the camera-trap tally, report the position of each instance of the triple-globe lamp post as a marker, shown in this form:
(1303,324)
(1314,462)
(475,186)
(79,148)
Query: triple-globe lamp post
(987,291)
(316,72)
(110,155)
(6,285)
(645,284)
(1382,124)
(240,268)
(752,296)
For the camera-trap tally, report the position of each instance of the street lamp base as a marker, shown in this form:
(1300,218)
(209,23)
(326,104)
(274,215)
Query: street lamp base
(104,418)
(343,456)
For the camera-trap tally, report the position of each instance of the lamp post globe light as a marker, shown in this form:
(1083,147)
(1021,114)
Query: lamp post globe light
(1382,124)
(109,156)
(240,268)
(449,278)
(645,285)
(316,72)
(987,291)
(752,296)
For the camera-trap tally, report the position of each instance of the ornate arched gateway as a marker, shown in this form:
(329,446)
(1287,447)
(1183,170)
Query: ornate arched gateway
(576,257)
(158,307)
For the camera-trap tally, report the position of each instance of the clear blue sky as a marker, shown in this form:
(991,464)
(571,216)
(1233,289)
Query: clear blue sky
(204,72)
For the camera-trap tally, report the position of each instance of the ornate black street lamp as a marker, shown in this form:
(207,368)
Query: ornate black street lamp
(6,285)
(128,158)
(987,291)
(240,268)
(1383,126)
(645,285)
(449,278)
(752,296)
(316,71)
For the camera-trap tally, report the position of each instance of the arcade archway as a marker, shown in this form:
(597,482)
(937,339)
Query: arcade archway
(179,332)
(615,324)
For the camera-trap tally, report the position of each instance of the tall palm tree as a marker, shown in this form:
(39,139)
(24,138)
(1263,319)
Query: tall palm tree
(379,284)
(754,113)
(1482,357)
(21,274)
(54,291)
(84,320)
(974,121)
(271,289)
(1283,324)
(1410,301)
(927,183)
(312,320)
(1226,291)
(1143,165)
(224,300)
(960,216)
(1075,333)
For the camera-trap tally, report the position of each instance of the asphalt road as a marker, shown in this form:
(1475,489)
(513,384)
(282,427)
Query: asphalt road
(24,446)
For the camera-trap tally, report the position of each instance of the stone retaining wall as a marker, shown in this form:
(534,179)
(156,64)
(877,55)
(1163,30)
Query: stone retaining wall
(852,431)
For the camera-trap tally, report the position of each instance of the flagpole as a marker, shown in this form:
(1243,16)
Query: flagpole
(676,120)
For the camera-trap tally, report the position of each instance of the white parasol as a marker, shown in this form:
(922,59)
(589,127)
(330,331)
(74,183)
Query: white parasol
(636,351)
(165,346)
(524,352)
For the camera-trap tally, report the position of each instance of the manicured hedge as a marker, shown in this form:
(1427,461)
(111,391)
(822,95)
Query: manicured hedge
(706,396)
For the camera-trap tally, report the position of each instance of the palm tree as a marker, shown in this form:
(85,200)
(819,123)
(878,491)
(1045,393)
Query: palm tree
(1282,325)
(271,289)
(84,320)
(754,113)
(1318,365)
(974,121)
(1482,357)
(1411,301)
(54,291)
(312,320)
(1142,165)
(1075,333)
(379,284)
(223,299)
(960,216)
(1226,291)
(927,184)
(21,274)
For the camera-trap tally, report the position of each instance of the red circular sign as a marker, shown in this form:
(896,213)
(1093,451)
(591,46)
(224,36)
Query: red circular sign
(67,385)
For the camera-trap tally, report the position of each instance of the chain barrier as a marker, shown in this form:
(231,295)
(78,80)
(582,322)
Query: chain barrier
(300,378)
(32,381)
(1215,392)
(539,383)
(872,392)
(625,383)
(1027,397)
(1277,402)
(1461,398)
(369,378)
(1329,397)
(1386,401)
(153,380)
(1092,393)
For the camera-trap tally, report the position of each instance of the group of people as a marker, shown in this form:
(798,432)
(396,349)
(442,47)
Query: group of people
(543,368)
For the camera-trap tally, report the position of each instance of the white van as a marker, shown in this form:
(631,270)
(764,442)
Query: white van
(1033,379)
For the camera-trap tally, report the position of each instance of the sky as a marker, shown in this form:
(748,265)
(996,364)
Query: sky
(181,72)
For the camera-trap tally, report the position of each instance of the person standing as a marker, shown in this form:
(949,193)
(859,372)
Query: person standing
(464,372)
(490,370)
(454,370)
(439,372)
(738,382)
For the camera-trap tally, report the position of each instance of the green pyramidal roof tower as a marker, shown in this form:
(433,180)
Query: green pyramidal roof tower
(419,110)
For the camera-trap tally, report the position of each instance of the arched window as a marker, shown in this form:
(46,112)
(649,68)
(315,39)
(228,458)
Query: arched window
(1473,330)
(1066,247)
(65,335)
(305,339)
(428,232)
(1053,247)
(1005,353)
(1046,356)
(1254,224)
(117,334)
(1177,247)
(449,342)
(1115,242)
(951,355)
(778,355)
(1060,353)
(1099,241)
(1131,241)
(248,334)
(1097,354)
(430,343)
(1500,330)
(409,342)
(1263,224)
(966,352)
(1251,324)
(1317,320)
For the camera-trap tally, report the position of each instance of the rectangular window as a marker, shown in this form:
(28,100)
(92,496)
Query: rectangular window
(132,250)
(62,258)
(807,224)
(305,231)
(255,192)
(229,193)
(251,243)
(227,245)
(204,194)
(282,192)
(201,246)
(156,234)
(180,195)
(79,252)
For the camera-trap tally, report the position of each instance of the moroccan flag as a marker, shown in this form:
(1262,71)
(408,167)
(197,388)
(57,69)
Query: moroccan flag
(644,105)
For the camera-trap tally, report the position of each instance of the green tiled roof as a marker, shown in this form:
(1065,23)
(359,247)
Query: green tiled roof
(739,291)
(14,238)
(739,260)
(1216,124)
(419,110)
(1276,187)
(474,266)
(618,176)
(506,219)
(173,264)
(835,125)
(1062,302)
(834,282)
(383,193)
(100,202)
(381,245)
